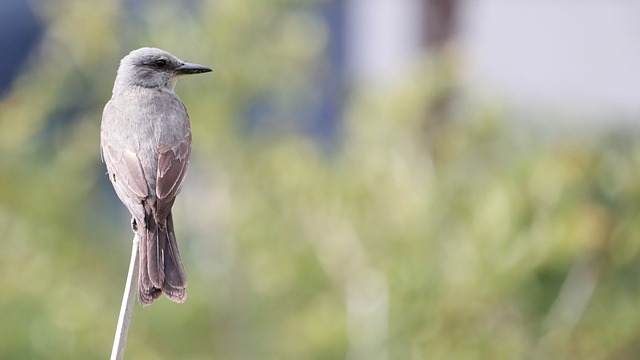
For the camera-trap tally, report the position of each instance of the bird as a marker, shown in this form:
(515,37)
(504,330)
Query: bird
(145,142)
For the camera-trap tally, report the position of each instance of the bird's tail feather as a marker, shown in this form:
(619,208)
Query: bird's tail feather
(161,268)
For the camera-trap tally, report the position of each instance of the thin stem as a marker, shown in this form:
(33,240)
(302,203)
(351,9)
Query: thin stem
(126,309)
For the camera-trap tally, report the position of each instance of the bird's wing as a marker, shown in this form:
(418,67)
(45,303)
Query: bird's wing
(127,176)
(172,167)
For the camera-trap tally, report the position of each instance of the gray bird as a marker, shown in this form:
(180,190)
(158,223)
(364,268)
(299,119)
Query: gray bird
(146,145)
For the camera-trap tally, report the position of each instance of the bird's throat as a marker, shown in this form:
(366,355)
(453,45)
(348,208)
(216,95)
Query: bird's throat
(171,84)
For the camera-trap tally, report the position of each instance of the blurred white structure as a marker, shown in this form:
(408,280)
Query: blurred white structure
(383,37)
(574,59)
(578,58)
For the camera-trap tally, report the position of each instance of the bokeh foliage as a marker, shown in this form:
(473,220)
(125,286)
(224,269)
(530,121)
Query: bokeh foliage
(415,234)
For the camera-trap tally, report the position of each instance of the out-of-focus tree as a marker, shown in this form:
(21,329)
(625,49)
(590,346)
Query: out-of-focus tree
(473,239)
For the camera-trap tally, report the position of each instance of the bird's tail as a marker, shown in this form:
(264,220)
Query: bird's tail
(161,269)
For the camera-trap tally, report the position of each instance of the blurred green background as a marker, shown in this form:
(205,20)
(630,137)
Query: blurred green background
(322,217)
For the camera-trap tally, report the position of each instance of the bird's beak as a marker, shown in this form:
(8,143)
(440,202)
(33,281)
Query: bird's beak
(188,68)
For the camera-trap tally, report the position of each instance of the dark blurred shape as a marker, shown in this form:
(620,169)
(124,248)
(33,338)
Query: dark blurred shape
(440,22)
(20,30)
(326,122)
(439,26)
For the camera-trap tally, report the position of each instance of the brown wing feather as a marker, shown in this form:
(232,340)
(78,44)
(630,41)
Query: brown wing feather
(172,167)
(127,176)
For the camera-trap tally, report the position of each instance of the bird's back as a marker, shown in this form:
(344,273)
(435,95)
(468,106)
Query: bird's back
(146,121)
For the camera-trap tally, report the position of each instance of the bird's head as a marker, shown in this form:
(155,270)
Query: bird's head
(153,68)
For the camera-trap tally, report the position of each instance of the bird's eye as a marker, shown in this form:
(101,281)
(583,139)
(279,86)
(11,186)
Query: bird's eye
(160,63)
